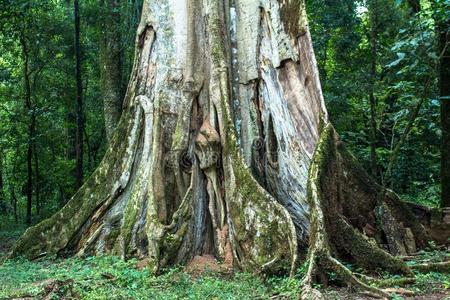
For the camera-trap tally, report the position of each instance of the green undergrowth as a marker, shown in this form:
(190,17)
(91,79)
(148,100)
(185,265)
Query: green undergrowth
(427,283)
(112,278)
(9,233)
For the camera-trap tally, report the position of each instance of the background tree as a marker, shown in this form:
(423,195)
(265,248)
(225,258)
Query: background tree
(375,22)
(79,149)
(32,122)
(3,205)
(111,56)
(443,33)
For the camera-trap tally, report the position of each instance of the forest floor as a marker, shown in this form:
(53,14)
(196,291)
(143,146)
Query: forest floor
(111,278)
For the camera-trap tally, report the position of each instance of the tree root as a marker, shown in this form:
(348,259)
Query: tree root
(331,233)
(408,257)
(400,291)
(327,262)
(364,252)
(384,283)
(441,267)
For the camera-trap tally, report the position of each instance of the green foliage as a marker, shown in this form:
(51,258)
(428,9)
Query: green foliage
(424,282)
(288,287)
(43,30)
(431,256)
(406,62)
(396,297)
(423,193)
(9,233)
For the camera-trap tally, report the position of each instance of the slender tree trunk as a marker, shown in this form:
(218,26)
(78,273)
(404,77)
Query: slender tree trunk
(12,191)
(373,41)
(14,204)
(71,132)
(3,205)
(31,125)
(414,113)
(79,100)
(71,120)
(37,188)
(179,180)
(130,16)
(111,55)
(444,83)
(89,149)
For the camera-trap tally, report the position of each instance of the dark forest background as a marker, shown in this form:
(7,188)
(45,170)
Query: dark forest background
(379,61)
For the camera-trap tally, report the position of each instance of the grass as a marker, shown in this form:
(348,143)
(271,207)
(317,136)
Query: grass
(112,278)
(109,277)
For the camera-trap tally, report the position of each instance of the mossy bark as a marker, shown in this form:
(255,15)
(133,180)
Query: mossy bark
(344,202)
(217,153)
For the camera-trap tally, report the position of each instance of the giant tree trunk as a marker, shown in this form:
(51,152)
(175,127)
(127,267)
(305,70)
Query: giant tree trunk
(224,148)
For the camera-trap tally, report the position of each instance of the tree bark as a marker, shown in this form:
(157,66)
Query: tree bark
(224,148)
(12,190)
(37,187)
(111,63)
(71,120)
(373,40)
(79,100)
(444,83)
(14,204)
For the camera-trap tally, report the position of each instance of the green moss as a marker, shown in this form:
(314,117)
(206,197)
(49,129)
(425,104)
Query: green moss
(321,158)
(131,214)
(317,168)
(171,242)
(364,253)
